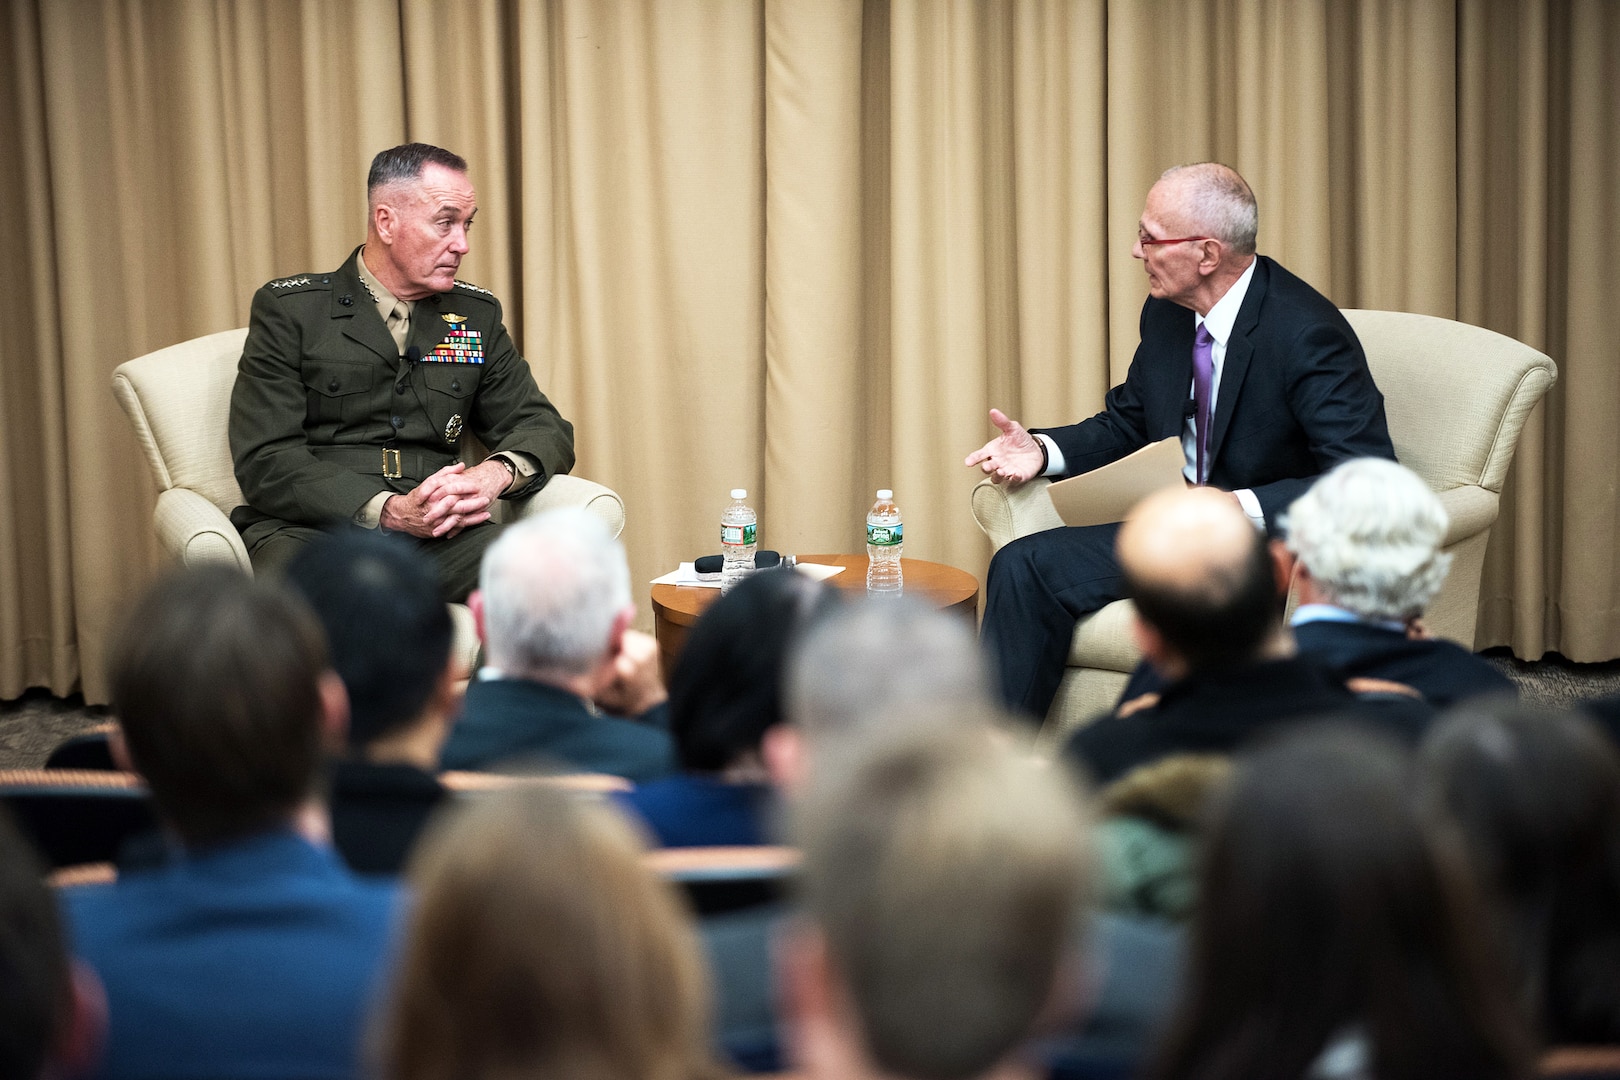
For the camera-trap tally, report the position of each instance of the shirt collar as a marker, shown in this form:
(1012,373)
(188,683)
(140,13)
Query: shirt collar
(1223,316)
(1309,613)
(380,295)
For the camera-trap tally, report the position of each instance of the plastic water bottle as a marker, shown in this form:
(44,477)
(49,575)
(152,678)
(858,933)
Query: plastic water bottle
(739,531)
(885,541)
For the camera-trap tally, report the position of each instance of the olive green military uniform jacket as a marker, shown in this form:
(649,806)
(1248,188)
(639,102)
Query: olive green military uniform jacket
(323,400)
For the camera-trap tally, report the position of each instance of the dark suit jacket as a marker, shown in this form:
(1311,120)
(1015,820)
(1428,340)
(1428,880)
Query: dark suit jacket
(1442,671)
(514,722)
(315,397)
(1295,396)
(261,957)
(1217,712)
(378,811)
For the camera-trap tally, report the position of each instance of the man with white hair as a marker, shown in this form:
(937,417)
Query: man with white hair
(1367,539)
(553,609)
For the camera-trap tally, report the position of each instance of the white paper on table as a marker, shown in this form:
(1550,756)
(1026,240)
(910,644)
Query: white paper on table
(686,575)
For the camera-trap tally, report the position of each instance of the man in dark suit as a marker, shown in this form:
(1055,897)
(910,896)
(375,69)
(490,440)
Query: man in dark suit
(355,387)
(390,638)
(554,610)
(1258,374)
(1367,539)
(1208,617)
(253,951)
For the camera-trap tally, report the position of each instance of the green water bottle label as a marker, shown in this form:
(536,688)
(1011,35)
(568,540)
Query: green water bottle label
(732,535)
(885,535)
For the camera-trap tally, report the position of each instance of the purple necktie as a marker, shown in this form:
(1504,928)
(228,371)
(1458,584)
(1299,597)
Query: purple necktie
(1203,404)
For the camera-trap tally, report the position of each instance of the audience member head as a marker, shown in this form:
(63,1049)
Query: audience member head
(727,687)
(388,632)
(1534,797)
(1329,920)
(1202,579)
(225,701)
(48,1012)
(944,876)
(872,666)
(1368,536)
(554,600)
(539,945)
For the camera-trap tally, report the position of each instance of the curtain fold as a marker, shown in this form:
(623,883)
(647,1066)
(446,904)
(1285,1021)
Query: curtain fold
(799,248)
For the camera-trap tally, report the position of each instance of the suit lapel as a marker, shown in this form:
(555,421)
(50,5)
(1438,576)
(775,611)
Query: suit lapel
(1239,351)
(1178,373)
(361,321)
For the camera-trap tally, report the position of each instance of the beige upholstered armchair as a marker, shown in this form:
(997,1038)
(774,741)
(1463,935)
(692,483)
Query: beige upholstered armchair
(179,399)
(1456,397)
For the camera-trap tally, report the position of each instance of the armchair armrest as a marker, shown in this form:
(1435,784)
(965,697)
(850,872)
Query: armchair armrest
(1006,513)
(564,490)
(1471,509)
(195,531)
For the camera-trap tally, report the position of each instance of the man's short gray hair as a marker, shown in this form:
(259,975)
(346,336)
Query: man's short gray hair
(1370,533)
(865,665)
(552,587)
(405,162)
(1219,203)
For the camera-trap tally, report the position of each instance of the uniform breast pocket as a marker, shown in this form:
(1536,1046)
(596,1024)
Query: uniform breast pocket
(453,384)
(337,391)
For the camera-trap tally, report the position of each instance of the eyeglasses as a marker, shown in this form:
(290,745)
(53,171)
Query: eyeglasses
(1147,241)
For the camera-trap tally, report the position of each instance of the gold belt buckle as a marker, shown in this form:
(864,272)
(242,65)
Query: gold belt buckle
(391,469)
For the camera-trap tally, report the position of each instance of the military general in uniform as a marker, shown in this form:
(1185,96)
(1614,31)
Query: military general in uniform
(356,386)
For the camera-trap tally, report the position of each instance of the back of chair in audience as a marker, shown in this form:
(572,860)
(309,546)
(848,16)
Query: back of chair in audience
(1332,935)
(540,946)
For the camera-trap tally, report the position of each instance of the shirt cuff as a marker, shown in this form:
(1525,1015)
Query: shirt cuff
(524,469)
(1251,507)
(369,516)
(1054,457)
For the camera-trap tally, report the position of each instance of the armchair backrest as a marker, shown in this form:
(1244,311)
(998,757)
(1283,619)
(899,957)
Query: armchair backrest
(1456,395)
(179,400)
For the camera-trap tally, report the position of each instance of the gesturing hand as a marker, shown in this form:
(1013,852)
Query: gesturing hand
(450,500)
(1011,457)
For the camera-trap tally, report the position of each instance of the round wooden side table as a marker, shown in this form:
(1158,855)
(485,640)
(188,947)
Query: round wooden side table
(677,607)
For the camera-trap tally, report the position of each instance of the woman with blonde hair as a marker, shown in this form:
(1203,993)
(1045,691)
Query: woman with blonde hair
(540,946)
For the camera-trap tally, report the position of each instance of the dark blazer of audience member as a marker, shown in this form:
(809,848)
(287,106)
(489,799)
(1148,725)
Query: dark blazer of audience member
(1207,593)
(724,695)
(389,634)
(1332,936)
(554,609)
(944,879)
(52,1012)
(539,945)
(254,950)
(1535,798)
(1367,540)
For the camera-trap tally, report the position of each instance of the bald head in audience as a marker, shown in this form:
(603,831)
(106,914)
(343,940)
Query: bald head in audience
(944,874)
(1203,581)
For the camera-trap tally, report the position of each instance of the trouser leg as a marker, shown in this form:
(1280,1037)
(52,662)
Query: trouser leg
(272,543)
(1037,587)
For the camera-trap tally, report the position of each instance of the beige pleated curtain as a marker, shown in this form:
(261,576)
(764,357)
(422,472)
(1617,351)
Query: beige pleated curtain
(799,246)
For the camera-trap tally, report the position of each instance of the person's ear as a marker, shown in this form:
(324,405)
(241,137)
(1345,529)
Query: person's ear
(82,1033)
(475,604)
(782,750)
(1149,641)
(621,623)
(334,712)
(384,221)
(1283,567)
(118,747)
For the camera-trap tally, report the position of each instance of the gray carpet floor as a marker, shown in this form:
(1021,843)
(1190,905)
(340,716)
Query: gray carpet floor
(34,724)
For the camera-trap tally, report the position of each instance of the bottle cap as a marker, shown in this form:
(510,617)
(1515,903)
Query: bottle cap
(884,494)
(739,493)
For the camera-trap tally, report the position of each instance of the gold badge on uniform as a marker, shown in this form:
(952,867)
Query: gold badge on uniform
(452,430)
(452,318)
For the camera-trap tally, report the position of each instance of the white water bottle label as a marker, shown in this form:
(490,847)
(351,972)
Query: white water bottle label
(737,535)
(885,535)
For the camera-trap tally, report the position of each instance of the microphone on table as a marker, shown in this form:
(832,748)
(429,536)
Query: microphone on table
(412,355)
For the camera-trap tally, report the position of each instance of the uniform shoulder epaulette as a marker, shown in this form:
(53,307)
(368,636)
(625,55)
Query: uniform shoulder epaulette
(301,283)
(466,286)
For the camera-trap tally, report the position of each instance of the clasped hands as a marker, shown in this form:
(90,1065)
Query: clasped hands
(452,499)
